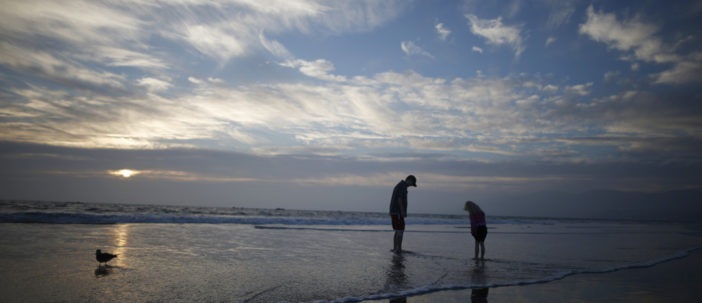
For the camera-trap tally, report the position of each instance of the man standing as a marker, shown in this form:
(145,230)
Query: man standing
(398,210)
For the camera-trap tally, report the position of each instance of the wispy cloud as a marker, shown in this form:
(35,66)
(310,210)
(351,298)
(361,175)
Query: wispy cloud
(316,69)
(549,41)
(429,180)
(154,85)
(222,41)
(560,12)
(130,96)
(442,31)
(412,49)
(54,67)
(683,72)
(276,48)
(579,89)
(639,38)
(629,35)
(495,116)
(497,33)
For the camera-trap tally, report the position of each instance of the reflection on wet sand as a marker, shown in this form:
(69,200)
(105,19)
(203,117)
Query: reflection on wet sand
(398,300)
(103,270)
(396,278)
(479,295)
(121,237)
(120,234)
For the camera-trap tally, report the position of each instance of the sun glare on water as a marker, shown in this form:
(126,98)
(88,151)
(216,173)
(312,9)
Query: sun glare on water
(124,173)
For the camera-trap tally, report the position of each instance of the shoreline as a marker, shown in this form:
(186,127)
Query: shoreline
(673,280)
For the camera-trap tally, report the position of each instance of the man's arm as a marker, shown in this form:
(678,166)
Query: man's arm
(403,204)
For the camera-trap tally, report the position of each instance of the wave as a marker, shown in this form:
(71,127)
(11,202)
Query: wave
(116,218)
(432,288)
(328,218)
(97,213)
(81,218)
(260,218)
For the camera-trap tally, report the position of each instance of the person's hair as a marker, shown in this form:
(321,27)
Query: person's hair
(471,207)
(411,177)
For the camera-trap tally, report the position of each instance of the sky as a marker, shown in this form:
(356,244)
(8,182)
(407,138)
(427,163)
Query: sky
(526,107)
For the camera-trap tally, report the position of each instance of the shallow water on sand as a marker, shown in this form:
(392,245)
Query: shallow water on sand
(271,263)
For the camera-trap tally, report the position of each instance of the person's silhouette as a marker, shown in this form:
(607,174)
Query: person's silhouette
(398,210)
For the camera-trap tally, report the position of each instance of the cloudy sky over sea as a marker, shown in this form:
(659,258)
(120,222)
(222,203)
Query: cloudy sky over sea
(328,104)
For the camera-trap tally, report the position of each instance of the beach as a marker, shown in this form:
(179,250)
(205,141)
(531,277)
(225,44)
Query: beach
(177,254)
(674,281)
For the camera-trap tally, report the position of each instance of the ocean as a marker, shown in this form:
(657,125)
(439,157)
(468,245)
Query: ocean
(208,254)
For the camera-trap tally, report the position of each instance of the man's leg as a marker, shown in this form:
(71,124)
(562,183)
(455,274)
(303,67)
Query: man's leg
(398,224)
(398,241)
(477,249)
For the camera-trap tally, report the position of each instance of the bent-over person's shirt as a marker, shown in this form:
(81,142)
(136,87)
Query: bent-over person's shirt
(398,202)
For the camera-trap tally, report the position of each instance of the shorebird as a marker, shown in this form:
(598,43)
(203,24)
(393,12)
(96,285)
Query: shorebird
(103,257)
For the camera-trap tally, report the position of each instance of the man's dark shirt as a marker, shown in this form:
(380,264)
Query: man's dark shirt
(398,202)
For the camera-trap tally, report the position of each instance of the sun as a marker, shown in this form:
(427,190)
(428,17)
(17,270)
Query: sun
(124,173)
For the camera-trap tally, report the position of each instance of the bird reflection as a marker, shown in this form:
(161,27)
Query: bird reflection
(102,271)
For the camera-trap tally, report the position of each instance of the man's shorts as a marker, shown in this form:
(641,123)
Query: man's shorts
(398,222)
(480,233)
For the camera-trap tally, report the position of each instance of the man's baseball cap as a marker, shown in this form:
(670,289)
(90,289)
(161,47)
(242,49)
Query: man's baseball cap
(411,180)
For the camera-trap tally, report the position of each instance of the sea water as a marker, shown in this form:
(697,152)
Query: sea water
(186,254)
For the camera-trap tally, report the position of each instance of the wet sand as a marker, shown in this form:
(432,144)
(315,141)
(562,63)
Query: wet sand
(674,281)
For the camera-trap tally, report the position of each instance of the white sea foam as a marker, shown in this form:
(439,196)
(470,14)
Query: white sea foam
(94,213)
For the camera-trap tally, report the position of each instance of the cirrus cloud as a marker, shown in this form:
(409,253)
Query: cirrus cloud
(497,33)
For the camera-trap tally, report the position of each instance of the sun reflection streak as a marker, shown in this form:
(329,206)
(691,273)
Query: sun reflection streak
(121,234)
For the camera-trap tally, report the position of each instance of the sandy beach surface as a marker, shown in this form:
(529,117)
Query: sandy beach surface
(174,254)
(674,281)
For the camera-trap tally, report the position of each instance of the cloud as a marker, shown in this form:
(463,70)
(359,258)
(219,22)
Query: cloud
(683,72)
(639,38)
(387,109)
(628,35)
(550,88)
(511,117)
(560,12)
(319,69)
(55,68)
(195,80)
(429,180)
(442,31)
(126,98)
(477,49)
(579,89)
(251,174)
(412,49)
(221,41)
(612,76)
(549,41)
(133,34)
(154,85)
(497,33)
(275,48)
